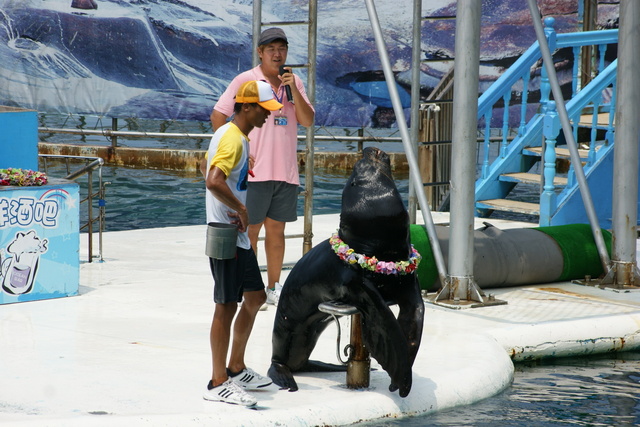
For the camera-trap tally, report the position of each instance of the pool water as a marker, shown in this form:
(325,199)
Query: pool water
(589,391)
(143,198)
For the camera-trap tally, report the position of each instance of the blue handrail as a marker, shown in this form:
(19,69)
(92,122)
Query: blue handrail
(522,80)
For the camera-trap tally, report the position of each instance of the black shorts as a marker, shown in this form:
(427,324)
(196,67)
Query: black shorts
(234,276)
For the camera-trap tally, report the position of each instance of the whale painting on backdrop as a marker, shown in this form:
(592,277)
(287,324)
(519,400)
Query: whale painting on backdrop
(172,59)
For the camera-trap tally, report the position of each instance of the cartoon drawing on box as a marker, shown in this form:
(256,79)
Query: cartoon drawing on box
(18,272)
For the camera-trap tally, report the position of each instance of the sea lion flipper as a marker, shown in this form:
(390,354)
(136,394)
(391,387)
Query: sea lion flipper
(386,339)
(411,316)
(281,376)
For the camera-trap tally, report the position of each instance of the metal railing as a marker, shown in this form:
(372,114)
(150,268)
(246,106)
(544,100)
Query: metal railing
(91,164)
(114,134)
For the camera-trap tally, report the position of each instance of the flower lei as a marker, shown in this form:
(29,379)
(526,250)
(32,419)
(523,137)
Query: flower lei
(22,177)
(371,263)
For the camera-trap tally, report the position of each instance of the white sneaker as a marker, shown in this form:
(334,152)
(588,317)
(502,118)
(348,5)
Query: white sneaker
(229,392)
(250,379)
(273,295)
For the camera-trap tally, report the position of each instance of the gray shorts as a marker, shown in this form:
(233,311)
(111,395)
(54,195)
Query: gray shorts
(235,276)
(277,200)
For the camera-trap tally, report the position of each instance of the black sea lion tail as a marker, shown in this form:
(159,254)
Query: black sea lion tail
(281,375)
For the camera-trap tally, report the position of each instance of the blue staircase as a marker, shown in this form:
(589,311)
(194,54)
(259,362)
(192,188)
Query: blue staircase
(530,150)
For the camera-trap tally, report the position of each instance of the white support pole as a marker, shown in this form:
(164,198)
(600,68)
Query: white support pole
(415,103)
(463,150)
(256,27)
(624,271)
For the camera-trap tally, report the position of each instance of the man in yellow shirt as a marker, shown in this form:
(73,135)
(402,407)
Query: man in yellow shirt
(226,170)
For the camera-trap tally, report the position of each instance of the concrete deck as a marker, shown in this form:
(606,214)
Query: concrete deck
(132,348)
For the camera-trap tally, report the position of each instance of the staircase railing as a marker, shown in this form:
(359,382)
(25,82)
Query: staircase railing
(590,96)
(514,105)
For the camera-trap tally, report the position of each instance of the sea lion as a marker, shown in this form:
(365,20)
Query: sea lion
(373,223)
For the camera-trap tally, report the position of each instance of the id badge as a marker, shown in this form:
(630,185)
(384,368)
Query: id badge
(280,120)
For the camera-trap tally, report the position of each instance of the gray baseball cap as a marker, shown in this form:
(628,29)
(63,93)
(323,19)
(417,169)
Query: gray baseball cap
(271,34)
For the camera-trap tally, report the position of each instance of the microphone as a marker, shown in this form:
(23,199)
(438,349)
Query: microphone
(286,87)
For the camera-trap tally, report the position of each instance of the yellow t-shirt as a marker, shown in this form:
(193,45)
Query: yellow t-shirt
(229,151)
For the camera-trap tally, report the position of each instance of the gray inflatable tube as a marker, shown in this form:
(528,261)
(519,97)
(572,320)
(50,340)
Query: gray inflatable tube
(516,257)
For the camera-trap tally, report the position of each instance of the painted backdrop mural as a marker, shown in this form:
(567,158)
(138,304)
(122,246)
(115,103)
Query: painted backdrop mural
(171,59)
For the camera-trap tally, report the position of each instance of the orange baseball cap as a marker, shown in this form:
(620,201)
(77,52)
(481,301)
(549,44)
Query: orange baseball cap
(259,92)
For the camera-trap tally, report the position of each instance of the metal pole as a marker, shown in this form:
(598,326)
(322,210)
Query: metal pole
(114,127)
(415,103)
(625,159)
(359,363)
(464,136)
(406,141)
(90,213)
(131,134)
(101,204)
(257,29)
(568,133)
(309,164)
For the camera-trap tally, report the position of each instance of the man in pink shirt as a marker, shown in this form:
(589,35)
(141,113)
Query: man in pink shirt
(273,188)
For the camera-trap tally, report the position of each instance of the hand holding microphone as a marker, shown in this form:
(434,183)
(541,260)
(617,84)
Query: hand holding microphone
(286,87)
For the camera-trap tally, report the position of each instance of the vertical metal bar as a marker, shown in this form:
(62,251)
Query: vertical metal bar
(625,169)
(406,141)
(311,93)
(505,124)
(590,19)
(568,133)
(602,49)
(464,136)
(487,142)
(90,213)
(114,127)
(591,157)
(256,30)
(415,103)
(523,105)
(575,70)
(101,211)
(610,135)
(359,364)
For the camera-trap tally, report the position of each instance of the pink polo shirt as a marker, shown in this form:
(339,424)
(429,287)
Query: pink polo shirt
(274,146)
